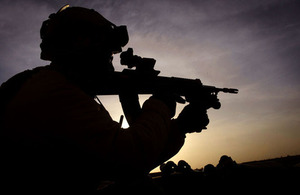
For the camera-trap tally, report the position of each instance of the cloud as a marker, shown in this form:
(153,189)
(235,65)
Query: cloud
(20,22)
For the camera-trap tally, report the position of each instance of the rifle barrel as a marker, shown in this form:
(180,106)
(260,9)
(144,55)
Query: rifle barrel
(129,80)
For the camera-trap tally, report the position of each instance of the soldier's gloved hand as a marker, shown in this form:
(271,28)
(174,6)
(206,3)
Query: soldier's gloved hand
(192,119)
(169,100)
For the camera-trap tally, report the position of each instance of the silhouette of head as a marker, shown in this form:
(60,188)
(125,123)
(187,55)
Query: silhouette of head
(77,34)
(168,168)
(226,162)
(183,166)
(209,170)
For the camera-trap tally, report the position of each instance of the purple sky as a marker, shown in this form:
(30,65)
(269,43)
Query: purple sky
(251,45)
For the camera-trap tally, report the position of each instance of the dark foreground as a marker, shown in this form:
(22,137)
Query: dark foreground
(268,176)
(280,175)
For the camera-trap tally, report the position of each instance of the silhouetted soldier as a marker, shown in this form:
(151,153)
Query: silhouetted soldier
(209,170)
(56,138)
(168,168)
(183,167)
(226,162)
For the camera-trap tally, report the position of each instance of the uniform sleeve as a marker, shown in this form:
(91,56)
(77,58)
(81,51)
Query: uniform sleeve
(152,139)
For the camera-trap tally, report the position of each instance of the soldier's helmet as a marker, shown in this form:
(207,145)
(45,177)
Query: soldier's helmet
(60,32)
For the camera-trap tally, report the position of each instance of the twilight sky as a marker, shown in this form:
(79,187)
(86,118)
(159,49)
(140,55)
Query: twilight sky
(252,45)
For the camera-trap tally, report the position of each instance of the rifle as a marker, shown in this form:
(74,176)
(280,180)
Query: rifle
(145,80)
